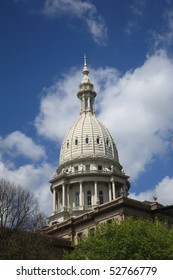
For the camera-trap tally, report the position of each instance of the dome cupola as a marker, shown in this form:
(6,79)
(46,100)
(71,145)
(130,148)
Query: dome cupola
(86,92)
(87,137)
(89,172)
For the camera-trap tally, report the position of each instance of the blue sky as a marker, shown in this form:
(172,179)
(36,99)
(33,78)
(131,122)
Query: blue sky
(129,47)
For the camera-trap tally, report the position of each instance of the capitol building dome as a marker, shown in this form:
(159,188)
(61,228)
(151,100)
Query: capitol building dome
(88,137)
(89,172)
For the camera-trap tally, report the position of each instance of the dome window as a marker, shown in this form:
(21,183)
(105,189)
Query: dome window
(87,140)
(100,167)
(76,168)
(107,142)
(76,141)
(67,143)
(98,140)
(86,103)
(87,167)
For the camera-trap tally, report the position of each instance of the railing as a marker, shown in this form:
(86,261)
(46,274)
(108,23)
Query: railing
(83,172)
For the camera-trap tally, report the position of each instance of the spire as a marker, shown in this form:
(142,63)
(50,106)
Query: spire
(86,92)
(85,72)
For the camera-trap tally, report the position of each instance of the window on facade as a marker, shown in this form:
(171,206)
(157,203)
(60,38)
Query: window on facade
(98,140)
(89,198)
(77,199)
(87,167)
(86,103)
(67,143)
(76,168)
(79,236)
(107,141)
(91,105)
(76,141)
(100,167)
(109,221)
(100,197)
(87,140)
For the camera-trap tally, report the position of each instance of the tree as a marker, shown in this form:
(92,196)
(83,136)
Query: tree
(131,240)
(19,244)
(19,208)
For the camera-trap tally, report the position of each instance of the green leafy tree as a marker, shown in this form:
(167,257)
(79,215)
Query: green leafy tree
(131,240)
(19,244)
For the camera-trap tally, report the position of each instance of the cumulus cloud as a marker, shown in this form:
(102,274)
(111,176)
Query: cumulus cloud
(163,191)
(59,106)
(138,112)
(33,178)
(84,10)
(136,107)
(17,143)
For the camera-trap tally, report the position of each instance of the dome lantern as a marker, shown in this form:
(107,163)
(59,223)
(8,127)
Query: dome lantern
(86,92)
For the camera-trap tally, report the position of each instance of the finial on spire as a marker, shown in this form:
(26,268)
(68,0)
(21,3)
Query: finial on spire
(85,60)
(85,71)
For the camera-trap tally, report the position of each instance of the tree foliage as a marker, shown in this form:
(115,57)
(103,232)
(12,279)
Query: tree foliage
(19,244)
(131,240)
(19,208)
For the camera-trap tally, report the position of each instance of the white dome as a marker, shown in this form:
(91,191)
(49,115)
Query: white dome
(89,172)
(88,138)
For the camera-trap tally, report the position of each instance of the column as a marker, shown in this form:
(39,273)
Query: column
(63,195)
(89,107)
(80,194)
(96,195)
(58,206)
(68,197)
(110,192)
(54,200)
(113,188)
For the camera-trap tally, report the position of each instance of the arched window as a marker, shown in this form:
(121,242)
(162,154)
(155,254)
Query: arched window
(107,141)
(98,140)
(86,103)
(77,199)
(76,141)
(67,143)
(89,198)
(100,197)
(87,140)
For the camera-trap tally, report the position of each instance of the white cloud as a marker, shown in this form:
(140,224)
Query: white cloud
(84,10)
(164,38)
(17,143)
(34,178)
(163,191)
(136,107)
(138,112)
(59,106)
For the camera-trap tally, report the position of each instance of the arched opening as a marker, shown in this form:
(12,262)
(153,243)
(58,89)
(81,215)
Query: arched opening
(77,199)
(98,140)
(101,200)
(87,140)
(76,141)
(89,198)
